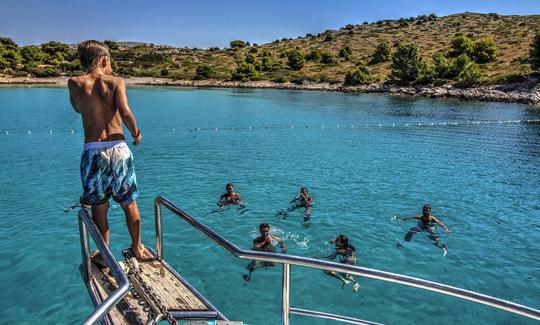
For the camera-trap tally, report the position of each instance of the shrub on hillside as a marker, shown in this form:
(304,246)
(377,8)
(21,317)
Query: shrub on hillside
(44,72)
(237,44)
(314,55)
(245,72)
(327,58)
(458,64)
(204,71)
(328,37)
(427,73)
(460,44)
(32,54)
(382,53)
(111,45)
(470,76)
(484,50)
(442,65)
(405,64)
(358,76)
(295,59)
(9,58)
(345,52)
(534,53)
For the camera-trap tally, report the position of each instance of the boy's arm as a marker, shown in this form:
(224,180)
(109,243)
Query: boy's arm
(128,118)
(70,87)
(440,224)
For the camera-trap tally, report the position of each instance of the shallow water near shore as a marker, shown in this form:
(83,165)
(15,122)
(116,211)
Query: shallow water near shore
(476,163)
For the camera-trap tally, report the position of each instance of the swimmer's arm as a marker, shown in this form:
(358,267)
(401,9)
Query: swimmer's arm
(441,224)
(71,100)
(409,218)
(281,244)
(128,118)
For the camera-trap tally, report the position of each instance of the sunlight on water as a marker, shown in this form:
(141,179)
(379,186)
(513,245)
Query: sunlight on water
(367,160)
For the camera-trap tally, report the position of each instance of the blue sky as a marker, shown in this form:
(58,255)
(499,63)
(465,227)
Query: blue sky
(206,23)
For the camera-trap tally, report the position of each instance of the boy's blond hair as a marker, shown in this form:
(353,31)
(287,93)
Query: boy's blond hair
(90,52)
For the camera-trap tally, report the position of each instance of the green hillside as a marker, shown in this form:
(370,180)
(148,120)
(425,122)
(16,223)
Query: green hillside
(437,54)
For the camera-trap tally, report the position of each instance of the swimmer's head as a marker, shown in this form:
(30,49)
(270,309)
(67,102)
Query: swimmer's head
(229,188)
(426,210)
(304,190)
(264,228)
(342,241)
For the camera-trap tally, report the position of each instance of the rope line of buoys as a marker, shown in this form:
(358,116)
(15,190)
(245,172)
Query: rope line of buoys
(321,126)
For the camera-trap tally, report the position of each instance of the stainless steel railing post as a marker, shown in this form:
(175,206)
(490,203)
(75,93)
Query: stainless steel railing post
(85,249)
(286,286)
(159,230)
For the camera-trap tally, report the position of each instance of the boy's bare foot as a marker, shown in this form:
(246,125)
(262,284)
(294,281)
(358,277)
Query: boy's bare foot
(98,259)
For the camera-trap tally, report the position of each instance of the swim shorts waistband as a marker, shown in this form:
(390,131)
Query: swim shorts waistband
(102,145)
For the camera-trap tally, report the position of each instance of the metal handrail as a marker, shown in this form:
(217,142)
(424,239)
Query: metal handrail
(287,260)
(85,222)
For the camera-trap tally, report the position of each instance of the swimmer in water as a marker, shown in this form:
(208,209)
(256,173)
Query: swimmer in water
(302,200)
(231,197)
(266,243)
(347,254)
(426,222)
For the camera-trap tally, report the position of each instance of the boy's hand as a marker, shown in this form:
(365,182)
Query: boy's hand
(137,139)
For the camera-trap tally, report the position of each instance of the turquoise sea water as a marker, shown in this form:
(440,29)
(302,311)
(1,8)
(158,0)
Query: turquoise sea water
(481,179)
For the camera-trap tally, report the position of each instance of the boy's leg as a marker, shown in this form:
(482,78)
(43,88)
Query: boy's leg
(411,232)
(133,222)
(339,277)
(99,215)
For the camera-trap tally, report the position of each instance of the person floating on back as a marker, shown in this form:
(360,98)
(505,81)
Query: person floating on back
(106,162)
(302,200)
(426,222)
(347,254)
(266,242)
(230,197)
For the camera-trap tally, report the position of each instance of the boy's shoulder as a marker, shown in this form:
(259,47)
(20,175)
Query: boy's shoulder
(84,79)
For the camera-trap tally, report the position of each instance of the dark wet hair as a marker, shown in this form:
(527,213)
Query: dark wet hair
(263,225)
(303,188)
(90,52)
(343,239)
(426,207)
(229,184)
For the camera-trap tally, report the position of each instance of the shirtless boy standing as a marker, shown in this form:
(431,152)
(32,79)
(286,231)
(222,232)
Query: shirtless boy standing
(106,161)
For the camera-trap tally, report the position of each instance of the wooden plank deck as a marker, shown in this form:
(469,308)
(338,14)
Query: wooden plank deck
(174,294)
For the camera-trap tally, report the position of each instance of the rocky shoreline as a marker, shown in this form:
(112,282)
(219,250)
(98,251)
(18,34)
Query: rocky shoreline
(499,93)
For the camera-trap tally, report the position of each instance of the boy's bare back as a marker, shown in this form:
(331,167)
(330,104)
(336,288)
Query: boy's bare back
(101,99)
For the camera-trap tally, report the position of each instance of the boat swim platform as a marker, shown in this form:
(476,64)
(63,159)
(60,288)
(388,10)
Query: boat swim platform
(182,301)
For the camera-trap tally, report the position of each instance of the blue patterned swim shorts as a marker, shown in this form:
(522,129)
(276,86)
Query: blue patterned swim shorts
(107,170)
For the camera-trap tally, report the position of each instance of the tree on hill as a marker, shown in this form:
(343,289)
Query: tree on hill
(328,37)
(382,53)
(237,44)
(314,55)
(112,45)
(458,64)
(327,58)
(10,59)
(245,72)
(204,71)
(8,43)
(295,59)
(534,53)
(442,65)
(470,75)
(32,55)
(405,64)
(461,44)
(358,76)
(427,73)
(484,50)
(345,52)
